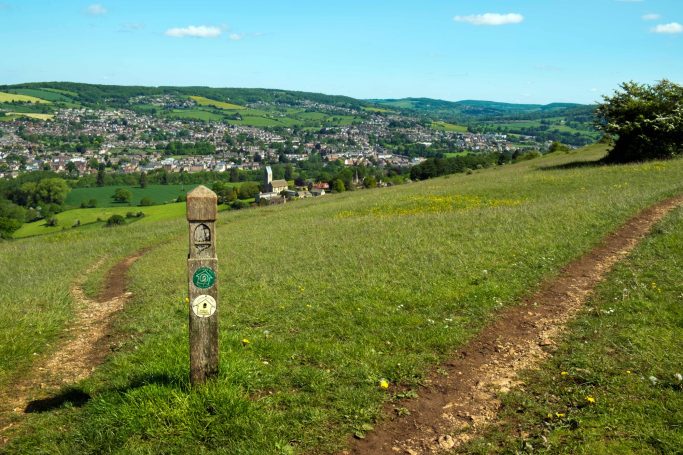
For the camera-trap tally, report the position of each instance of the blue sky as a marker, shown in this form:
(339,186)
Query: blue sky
(535,51)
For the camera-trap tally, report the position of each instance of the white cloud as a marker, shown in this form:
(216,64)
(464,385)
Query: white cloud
(651,17)
(199,31)
(672,28)
(236,36)
(490,19)
(96,9)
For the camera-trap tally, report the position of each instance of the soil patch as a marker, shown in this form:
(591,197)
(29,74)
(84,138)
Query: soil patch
(85,346)
(463,397)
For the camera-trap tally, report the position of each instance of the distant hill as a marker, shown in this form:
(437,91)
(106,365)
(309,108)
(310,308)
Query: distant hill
(460,111)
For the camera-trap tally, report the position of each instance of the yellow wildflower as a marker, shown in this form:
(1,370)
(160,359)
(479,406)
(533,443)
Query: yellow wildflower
(590,399)
(187,300)
(384,384)
(245,342)
(559,414)
(564,373)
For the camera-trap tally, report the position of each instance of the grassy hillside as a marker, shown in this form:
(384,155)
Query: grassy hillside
(334,294)
(624,352)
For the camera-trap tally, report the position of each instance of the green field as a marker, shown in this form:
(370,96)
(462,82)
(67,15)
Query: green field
(219,104)
(450,127)
(195,114)
(91,218)
(45,94)
(334,294)
(9,97)
(159,194)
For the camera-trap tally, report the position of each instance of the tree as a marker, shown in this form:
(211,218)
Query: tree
(645,120)
(248,190)
(12,217)
(116,220)
(146,202)
(52,191)
(100,174)
(143,180)
(122,195)
(338,186)
(370,182)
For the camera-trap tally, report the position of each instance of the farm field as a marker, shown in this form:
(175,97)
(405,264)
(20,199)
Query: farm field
(219,104)
(623,353)
(160,194)
(9,97)
(444,126)
(30,115)
(333,295)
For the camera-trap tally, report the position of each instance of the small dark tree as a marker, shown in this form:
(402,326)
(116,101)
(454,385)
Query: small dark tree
(115,220)
(143,180)
(646,121)
(122,195)
(146,202)
(100,174)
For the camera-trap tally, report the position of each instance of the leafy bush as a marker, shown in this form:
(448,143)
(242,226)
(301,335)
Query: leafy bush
(116,220)
(146,202)
(645,120)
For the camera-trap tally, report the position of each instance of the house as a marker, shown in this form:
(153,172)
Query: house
(315,192)
(273,186)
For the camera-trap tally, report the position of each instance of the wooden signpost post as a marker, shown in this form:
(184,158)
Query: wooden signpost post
(202,284)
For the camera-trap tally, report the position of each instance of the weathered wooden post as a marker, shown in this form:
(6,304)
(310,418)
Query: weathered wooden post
(202,284)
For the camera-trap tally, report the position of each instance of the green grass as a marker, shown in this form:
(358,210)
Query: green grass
(195,114)
(45,94)
(333,293)
(88,217)
(9,97)
(160,194)
(444,126)
(219,104)
(629,333)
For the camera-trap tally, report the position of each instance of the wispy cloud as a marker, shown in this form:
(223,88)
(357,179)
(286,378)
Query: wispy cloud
(131,27)
(671,29)
(196,31)
(96,9)
(236,36)
(490,19)
(651,17)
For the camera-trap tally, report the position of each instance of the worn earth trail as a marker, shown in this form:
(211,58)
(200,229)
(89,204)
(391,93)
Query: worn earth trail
(453,407)
(86,344)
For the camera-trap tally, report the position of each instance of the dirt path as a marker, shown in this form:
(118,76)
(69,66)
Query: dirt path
(454,407)
(85,346)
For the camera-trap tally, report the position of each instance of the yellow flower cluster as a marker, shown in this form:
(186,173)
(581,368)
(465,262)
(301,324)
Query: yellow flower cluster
(431,204)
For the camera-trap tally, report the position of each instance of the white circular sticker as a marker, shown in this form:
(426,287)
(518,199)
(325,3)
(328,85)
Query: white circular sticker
(204,306)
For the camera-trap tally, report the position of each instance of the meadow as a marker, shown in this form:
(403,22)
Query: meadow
(614,385)
(320,300)
(159,194)
(219,104)
(450,127)
(96,217)
(10,97)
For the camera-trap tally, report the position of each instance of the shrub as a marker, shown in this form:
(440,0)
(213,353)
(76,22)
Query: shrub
(645,120)
(146,202)
(116,220)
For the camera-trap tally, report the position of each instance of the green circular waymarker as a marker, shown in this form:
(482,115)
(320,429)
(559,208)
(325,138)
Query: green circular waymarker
(204,277)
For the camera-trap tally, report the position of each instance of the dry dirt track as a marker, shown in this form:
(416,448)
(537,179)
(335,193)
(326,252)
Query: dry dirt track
(453,407)
(85,346)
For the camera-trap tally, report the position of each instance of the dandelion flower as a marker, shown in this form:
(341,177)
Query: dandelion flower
(590,399)
(564,373)
(187,300)
(384,384)
(245,342)
(559,414)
